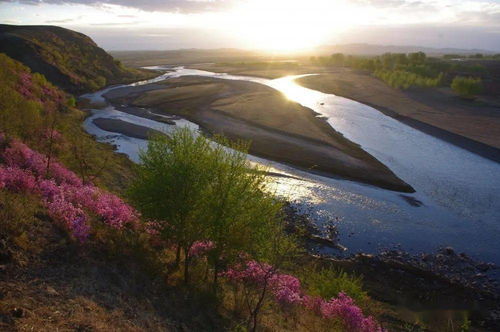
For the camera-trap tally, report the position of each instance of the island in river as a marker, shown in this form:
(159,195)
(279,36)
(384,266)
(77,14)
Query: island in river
(277,128)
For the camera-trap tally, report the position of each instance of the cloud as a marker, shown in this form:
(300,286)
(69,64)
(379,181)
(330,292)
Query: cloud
(185,6)
(60,21)
(480,17)
(116,23)
(11,21)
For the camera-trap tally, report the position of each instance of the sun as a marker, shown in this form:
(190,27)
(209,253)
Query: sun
(288,25)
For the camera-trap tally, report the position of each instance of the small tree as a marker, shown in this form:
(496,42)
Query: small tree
(202,191)
(466,87)
(171,188)
(241,216)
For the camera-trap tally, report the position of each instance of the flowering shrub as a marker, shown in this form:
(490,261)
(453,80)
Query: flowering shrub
(152,228)
(75,218)
(35,87)
(200,248)
(16,179)
(112,209)
(51,134)
(286,289)
(51,94)
(20,155)
(67,198)
(26,85)
(342,307)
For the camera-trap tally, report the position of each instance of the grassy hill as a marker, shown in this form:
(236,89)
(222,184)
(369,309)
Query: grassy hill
(69,59)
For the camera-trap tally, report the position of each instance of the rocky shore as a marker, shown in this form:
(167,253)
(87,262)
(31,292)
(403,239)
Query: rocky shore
(439,281)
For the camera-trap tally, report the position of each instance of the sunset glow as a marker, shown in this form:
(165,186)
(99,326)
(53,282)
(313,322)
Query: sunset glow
(275,25)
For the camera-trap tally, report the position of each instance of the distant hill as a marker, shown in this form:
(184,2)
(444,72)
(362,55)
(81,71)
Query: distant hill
(370,49)
(69,59)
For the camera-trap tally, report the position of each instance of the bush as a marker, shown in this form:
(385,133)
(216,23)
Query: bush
(200,191)
(328,283)
(466,87)
(401,79)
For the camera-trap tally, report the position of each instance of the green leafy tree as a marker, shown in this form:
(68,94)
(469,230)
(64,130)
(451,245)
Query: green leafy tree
(417,58)
(466,87)
(171,188)
(201,191)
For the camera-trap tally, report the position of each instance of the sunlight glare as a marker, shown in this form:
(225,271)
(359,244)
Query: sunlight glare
(281,25)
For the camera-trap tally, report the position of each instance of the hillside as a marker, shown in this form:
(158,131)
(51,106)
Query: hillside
(74,255)
(68,59)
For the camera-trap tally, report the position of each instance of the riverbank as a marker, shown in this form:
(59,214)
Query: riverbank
(430,289)
(278,129)
(471,125)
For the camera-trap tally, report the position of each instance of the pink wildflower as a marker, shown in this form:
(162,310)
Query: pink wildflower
(16,179)
(201,248)
(286,289)
(64,194)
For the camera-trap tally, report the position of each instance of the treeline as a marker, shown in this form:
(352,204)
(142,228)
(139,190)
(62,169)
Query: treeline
(399,70)
(472,56)
(403,71)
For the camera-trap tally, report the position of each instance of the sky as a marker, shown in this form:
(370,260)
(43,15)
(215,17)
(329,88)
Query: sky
(275,25)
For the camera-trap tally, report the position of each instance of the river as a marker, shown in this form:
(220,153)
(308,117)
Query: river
(457,198)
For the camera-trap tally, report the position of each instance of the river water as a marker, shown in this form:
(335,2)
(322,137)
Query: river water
(458,192)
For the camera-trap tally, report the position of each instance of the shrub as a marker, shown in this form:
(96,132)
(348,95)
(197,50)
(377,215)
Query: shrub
(328,283)
(466,87)
(201,191)
(401,79)
(68,200)
(287,290)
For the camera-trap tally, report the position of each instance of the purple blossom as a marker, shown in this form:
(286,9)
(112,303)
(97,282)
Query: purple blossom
(16,179)
(67,198)
(286,289)
(201,248)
